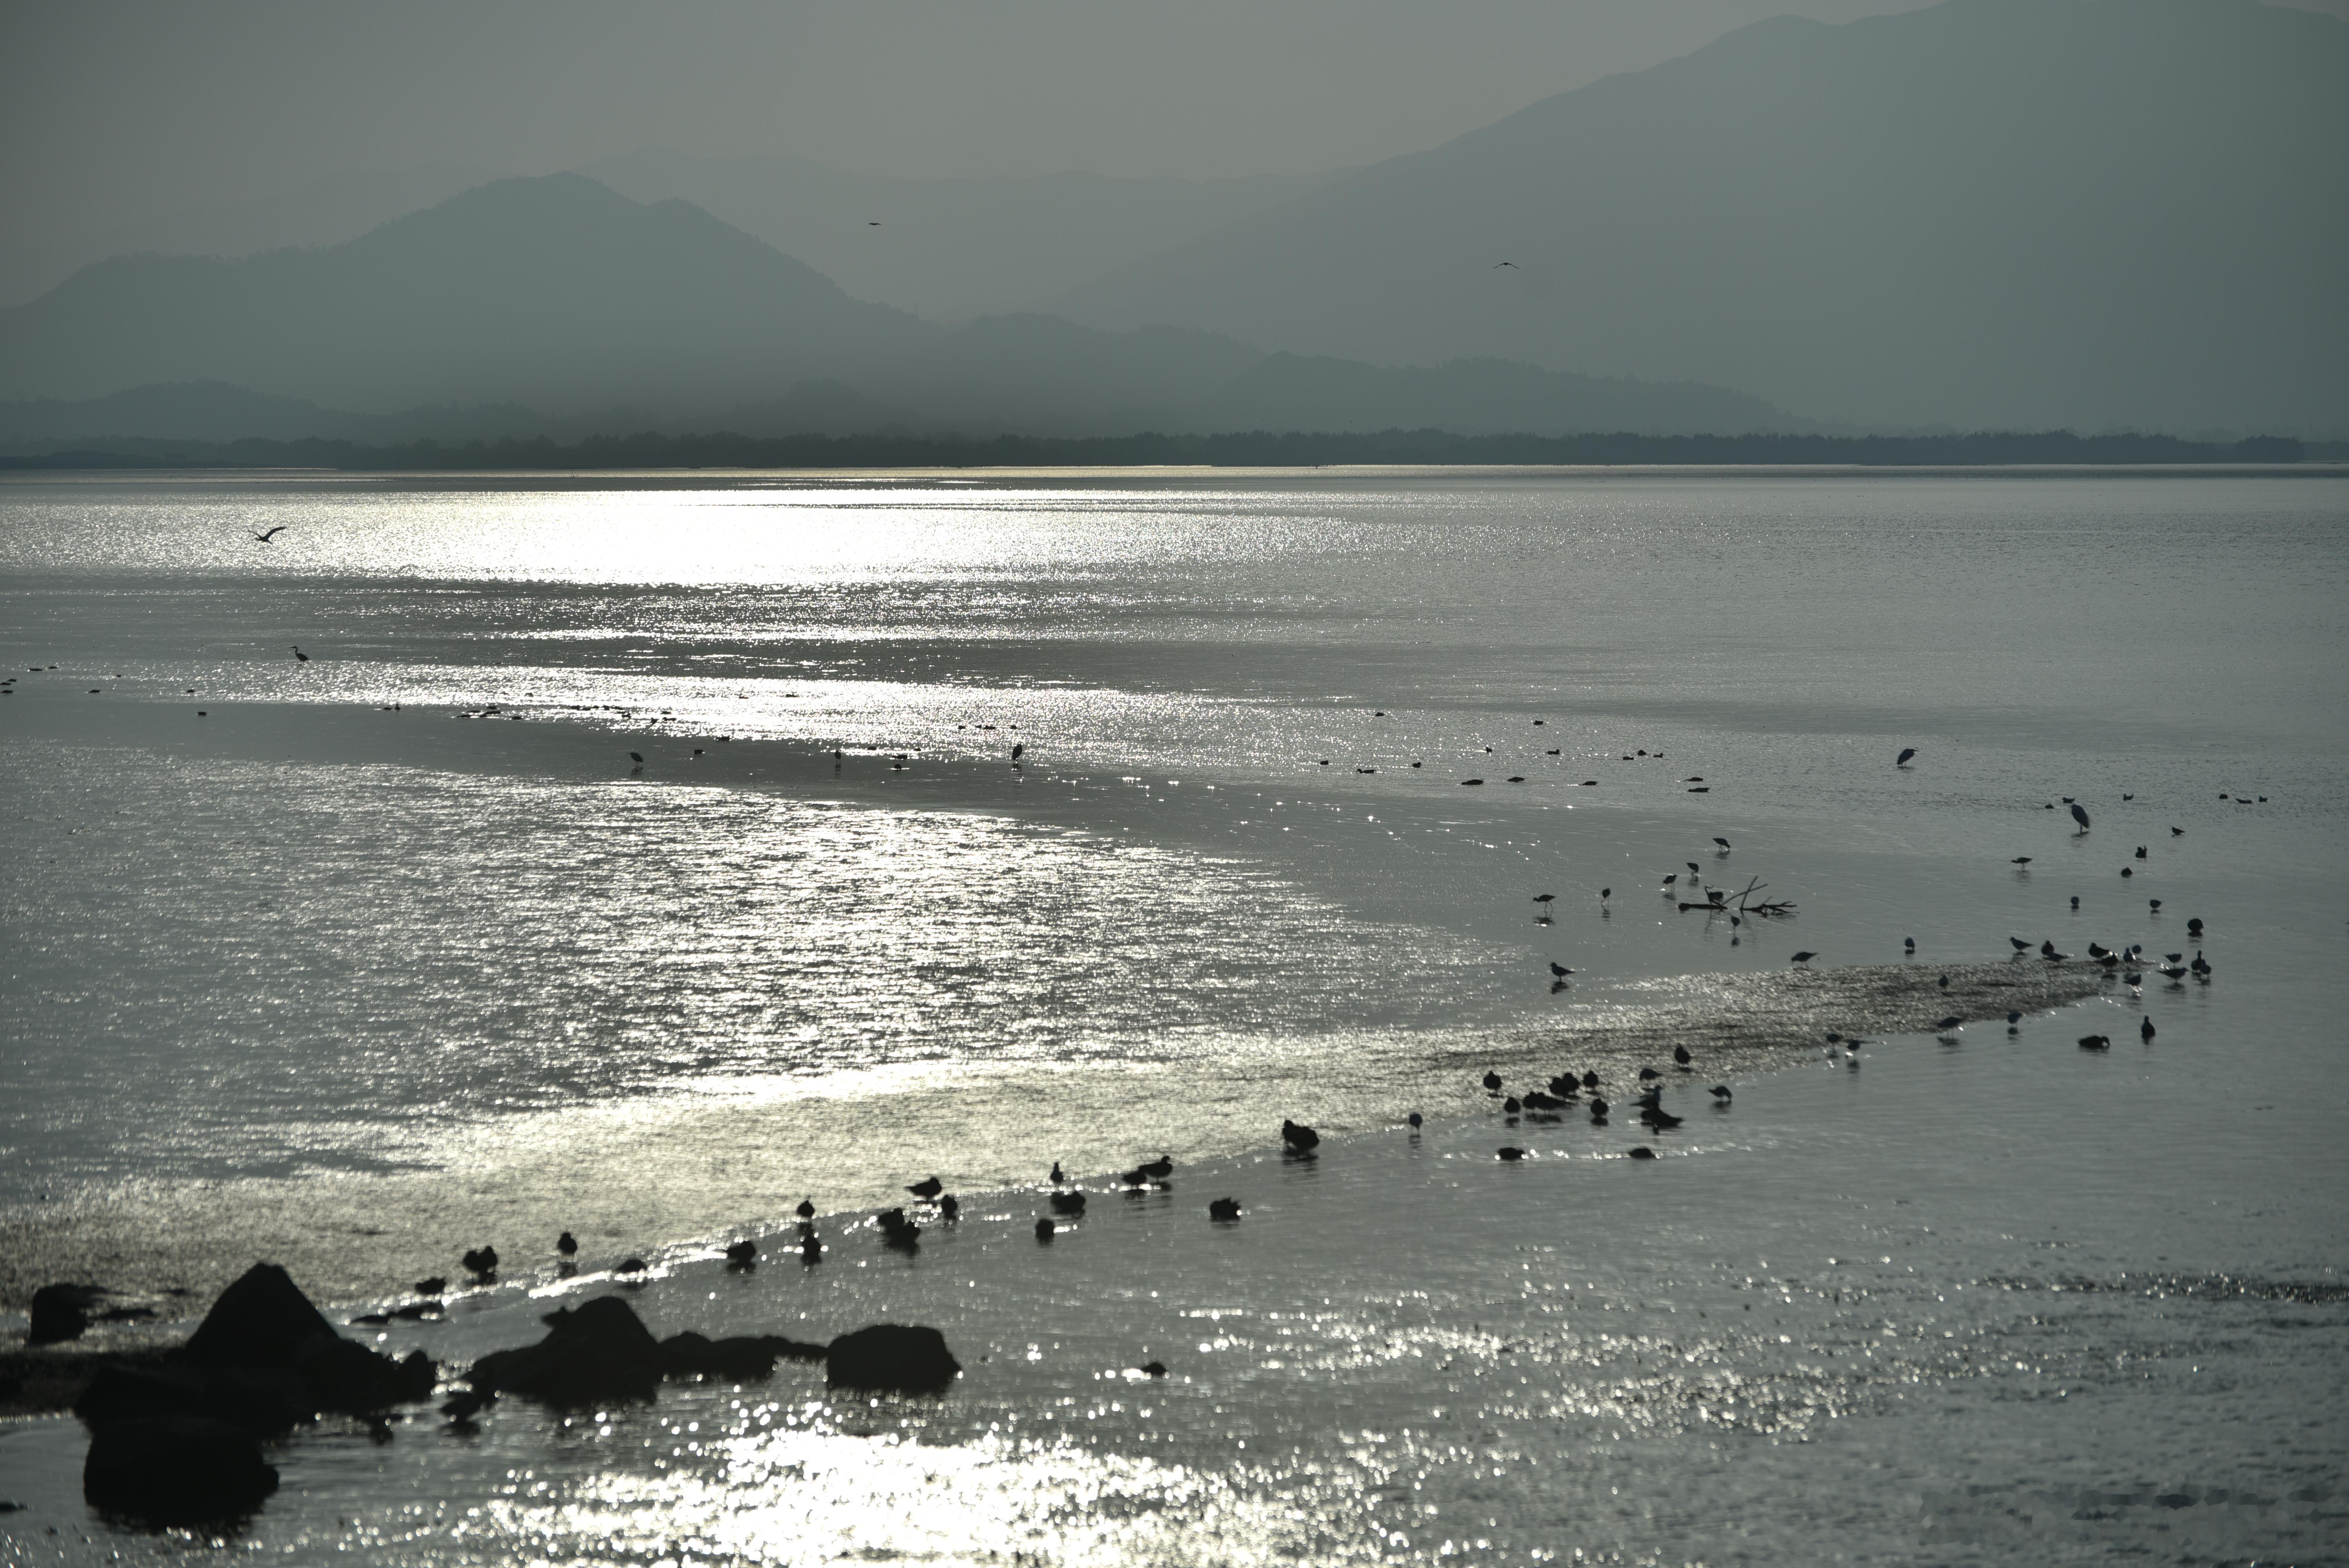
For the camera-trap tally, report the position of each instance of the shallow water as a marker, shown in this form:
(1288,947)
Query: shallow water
(309,955)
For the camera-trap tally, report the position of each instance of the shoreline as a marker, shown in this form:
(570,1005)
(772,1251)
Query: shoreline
(355,1240)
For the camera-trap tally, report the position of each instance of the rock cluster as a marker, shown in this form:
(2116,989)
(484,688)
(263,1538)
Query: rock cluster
(601,1351)
(182,1443)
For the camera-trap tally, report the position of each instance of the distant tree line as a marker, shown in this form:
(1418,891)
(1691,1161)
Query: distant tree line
(1257,448)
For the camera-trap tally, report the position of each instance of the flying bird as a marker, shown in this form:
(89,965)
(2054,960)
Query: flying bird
(265,538)
(1498,266)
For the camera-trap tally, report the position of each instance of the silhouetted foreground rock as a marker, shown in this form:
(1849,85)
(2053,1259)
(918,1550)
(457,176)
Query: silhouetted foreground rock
(60,1312)
(259,1321)
(600,1350)
(180,1442)
(175,1469)
(897,1357)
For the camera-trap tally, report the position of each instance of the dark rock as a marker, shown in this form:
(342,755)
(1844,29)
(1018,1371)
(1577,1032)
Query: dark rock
(259,1321)
(61,1312)
(738,1358)
(596,1352)
(175,1469)
(897,1357)
(341,1376)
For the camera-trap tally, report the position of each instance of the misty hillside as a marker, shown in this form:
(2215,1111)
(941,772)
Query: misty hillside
(323,211)
(1986,214)
(948,249)
(1475,398)
(557,306)
(552,292)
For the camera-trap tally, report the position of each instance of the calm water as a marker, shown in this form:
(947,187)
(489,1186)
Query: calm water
(358,953)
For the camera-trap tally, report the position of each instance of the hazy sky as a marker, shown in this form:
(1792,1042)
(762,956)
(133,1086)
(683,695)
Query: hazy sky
(116,109)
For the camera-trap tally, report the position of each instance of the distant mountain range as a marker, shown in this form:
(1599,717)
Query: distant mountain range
(556,306)
(1988,213)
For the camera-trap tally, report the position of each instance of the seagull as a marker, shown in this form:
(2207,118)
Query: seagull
(265,538)
(1906,753)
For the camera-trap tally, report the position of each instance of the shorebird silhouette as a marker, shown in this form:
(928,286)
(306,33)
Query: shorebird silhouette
(1804,957)
(265,538)
(2080,815)
(1906,753)
(2144,1031)
(1299,1138)
(806,1211)
(299,656)
(567,1245)
(927,1187)
(1951,1022)
(1719,1091)
(1224,1209)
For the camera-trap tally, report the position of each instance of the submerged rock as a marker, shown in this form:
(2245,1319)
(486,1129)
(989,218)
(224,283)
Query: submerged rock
(597,1351)
(901,1358)
(740,1357)
(175,1469)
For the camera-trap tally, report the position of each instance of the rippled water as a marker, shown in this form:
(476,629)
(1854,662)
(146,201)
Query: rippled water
(354,952)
